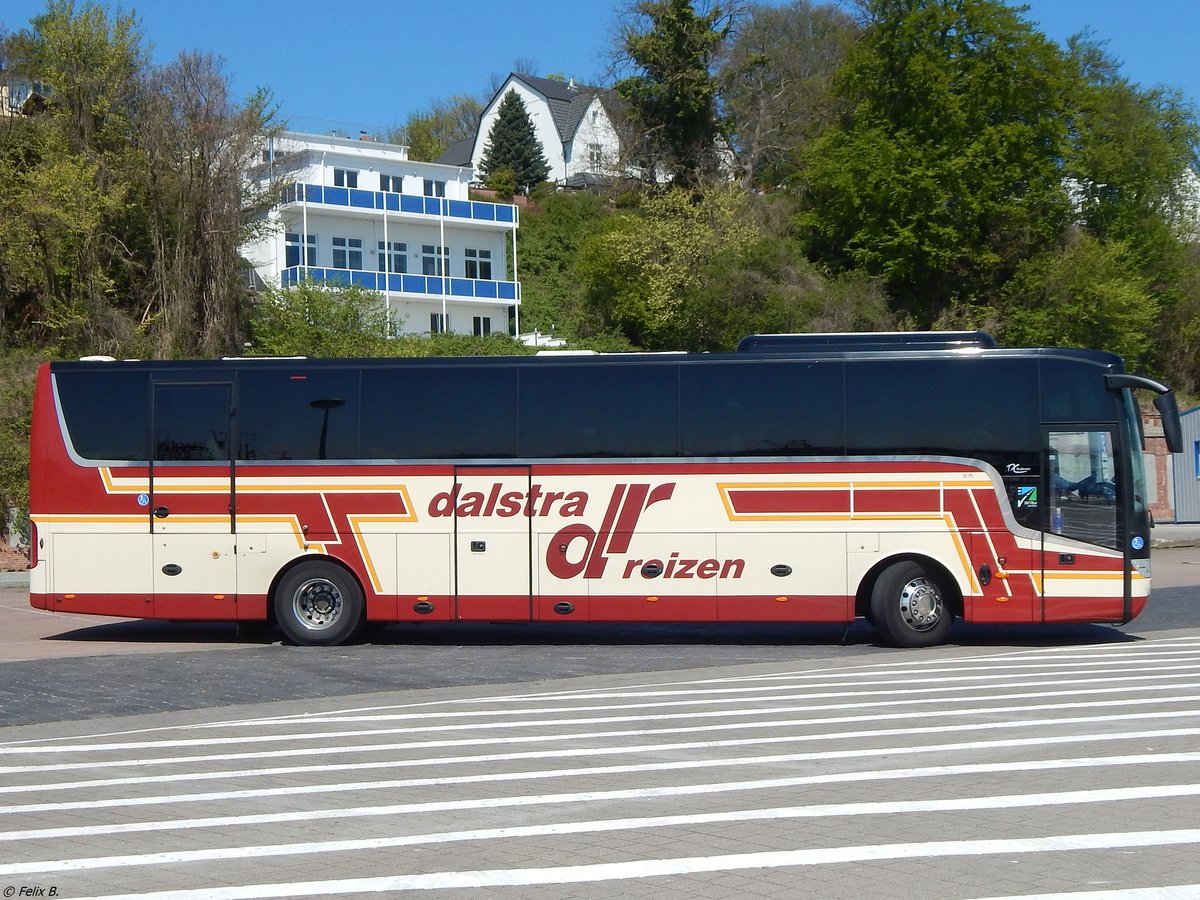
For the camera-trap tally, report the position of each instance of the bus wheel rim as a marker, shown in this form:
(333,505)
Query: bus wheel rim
(317,604)
(921,604)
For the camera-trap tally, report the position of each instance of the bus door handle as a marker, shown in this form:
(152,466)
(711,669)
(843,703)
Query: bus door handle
(161,512)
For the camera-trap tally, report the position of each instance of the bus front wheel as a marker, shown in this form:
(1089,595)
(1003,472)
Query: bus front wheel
(319,603)
(910,607)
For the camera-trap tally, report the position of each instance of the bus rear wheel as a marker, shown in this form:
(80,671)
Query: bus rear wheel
(319,603)
(910,607)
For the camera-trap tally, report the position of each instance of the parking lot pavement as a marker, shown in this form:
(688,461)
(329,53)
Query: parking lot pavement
(954,773)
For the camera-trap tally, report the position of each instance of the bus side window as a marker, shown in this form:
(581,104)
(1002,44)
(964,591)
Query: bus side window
(1082,467)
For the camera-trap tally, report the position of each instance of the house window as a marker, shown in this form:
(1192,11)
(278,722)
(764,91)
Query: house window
(347,253)
(439,323)
(595,154)
(292,250)
(433,260)
(1196,457)
(345,178)
(479,264)
(482,325)
(435,188)
(392,257)
(393,184)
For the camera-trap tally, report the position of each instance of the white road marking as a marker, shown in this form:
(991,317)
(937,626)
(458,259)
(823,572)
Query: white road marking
(875,808)
(582,797)
(340,748)
(738,712)
(656,868)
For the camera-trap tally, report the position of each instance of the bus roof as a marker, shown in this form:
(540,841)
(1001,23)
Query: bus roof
(778,348)
(867,341)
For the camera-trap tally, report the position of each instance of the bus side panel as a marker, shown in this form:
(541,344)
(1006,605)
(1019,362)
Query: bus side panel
(382,523)
(424,576)
(785,577)
(1010,593)
(87,577)
(662,576)
(46,450)
(555,597)
(94,543)
(1082,586)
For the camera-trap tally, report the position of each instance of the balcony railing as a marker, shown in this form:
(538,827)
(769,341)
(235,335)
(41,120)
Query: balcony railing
(422,285)
(353,198)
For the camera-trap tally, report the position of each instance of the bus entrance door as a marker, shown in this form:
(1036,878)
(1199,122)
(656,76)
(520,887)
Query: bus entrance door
(492,522)
(191,502)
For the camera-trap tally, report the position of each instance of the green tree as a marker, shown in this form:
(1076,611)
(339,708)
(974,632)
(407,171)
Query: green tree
(512,144)
(1091,293)
(348,321)
(672,98)
(93,63)
(200,147)
(553,233)
(312,319)
(18,370)
(698,268)
(69,253)
(129,196)
(1132,177)
(503,181)
(947,173)
(776,83)
(430,133)
(1132,148)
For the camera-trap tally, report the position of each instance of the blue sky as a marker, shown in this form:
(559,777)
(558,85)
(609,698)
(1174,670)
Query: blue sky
(367,66)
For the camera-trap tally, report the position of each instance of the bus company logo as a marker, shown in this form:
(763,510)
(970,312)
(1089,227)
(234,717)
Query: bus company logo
(507,504)
(1017,469)
(579,549)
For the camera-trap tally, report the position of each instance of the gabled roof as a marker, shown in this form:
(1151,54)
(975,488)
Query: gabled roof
(567,100)
(458,153)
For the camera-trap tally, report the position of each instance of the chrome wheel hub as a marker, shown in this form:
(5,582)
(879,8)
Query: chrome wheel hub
(921,604)
(317,604)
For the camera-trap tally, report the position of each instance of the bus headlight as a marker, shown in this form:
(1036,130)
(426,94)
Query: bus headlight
(1142,567)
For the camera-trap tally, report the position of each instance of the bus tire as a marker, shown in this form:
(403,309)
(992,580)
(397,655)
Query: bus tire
(910,607)
(319,603)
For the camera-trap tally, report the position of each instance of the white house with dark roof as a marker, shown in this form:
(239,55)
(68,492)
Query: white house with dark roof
(361,212)
(574,123)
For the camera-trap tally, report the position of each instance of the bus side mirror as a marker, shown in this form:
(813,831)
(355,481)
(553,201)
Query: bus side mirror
(1172,430)
(1164,402)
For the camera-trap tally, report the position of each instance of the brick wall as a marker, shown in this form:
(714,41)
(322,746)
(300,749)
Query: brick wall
(1156,446)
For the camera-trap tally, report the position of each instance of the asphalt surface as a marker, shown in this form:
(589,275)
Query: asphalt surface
(61,668)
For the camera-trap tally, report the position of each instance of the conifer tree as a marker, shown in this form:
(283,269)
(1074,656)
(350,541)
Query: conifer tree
(512,144)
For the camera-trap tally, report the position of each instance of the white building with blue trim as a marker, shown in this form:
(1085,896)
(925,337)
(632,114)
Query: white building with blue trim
(361,212)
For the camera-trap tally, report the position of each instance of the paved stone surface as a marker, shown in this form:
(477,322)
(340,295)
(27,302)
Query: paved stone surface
(955,773)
